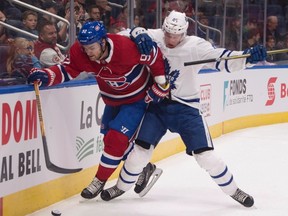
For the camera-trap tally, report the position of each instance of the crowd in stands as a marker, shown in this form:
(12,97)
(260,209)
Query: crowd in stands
(47,31)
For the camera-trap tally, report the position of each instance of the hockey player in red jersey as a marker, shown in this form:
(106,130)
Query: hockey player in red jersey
(127,81)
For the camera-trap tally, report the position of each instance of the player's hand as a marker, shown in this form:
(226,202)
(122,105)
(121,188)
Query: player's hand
(44,77)
(143,41)
(257,53)
(157,93)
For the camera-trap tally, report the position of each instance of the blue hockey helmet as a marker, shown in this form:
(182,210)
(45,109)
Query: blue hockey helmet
(92,32)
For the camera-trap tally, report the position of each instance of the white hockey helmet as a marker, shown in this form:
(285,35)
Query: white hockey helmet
(175,23)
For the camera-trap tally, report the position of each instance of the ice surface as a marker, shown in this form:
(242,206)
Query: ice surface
(257,157)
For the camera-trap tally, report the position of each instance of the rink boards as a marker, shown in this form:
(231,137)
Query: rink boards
(72,115)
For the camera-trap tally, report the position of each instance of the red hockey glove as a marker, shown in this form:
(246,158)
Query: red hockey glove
(44,77)
(157,93)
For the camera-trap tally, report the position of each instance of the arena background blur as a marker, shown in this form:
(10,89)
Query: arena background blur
(234,24)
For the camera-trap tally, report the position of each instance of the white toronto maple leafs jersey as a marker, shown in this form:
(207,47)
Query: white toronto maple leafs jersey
(185,87)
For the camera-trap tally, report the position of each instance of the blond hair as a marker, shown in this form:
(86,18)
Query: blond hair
(15,45)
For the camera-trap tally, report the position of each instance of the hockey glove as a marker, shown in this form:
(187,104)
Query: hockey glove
(257,53)
(157,93)
(44,77)
(143,41)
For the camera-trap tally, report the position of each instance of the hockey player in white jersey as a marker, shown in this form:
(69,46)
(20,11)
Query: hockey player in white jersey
(180,112)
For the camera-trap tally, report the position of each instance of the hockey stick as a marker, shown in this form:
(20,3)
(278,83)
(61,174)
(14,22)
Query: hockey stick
(271,52)
(50,166)
(155,176)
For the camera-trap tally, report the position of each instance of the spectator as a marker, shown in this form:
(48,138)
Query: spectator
(6,33)
(3,35)
(5,4)
(83,15)
(250,24)
(282,45)
(13,13)
(105,12)
(29,20)
(184,6)
(21,59)
(51,7)
(35,3)
(63,29)
(117,27)
(136,20)
(201,31)
(46,49)
(121,22)
(271,30)
(233,34)
(167,6)
(270,45)
(122,18)
(94,13)
(253,38)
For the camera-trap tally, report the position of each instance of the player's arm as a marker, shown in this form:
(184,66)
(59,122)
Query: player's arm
(205,50)
(155,61)
(49,76)
(56,74)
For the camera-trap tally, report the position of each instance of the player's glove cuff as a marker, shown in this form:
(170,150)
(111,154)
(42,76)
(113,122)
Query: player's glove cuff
(157,93)
(257,53)
(44,77)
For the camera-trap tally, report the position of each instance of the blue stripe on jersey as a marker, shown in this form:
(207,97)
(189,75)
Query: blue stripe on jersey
(64,72)
(109,161)
(218,63)
(127,182)
(136,71)
(221,174)
(227,183)
(194,100)
(128,173)
(226,63)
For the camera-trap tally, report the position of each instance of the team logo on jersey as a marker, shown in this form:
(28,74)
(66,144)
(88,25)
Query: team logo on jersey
(118,83)
(171,76)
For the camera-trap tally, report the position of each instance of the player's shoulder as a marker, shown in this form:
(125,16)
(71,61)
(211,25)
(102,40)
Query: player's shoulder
(195,42)
(122,43)
(75,47)
(119,38)
(155,33)
(76,51)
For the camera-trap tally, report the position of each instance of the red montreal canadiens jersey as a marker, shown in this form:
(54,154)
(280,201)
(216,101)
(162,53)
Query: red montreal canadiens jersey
(123,77)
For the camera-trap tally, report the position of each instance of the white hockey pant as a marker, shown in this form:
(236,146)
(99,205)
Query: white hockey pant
(218,171)
(133,166)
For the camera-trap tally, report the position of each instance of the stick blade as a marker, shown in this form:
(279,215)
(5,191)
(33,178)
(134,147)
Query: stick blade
(52,167)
